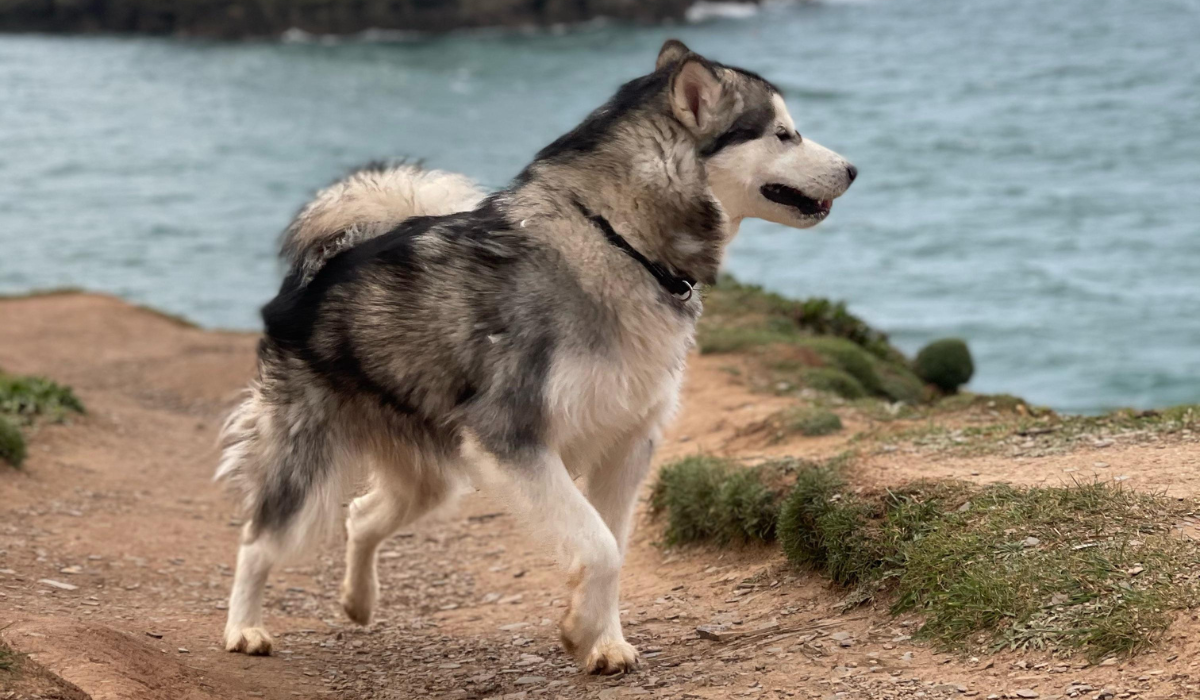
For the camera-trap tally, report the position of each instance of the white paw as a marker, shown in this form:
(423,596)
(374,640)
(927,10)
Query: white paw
(610,657)
(358,607)
(254,641)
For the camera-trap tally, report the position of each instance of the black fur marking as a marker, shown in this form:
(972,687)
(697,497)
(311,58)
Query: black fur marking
(751,124)
(596,128)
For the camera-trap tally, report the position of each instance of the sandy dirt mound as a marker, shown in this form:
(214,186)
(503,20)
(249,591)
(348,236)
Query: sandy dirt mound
(116,552)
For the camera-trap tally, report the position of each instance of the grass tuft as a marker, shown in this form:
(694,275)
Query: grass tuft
(709,498)
(12,443)
(25,398)
(8,659)
(810,421)
(1088,567)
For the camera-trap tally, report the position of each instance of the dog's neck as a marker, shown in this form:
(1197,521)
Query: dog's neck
(652,188)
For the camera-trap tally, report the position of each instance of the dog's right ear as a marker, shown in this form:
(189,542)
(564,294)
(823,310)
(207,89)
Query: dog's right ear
(695,91)
(671,52)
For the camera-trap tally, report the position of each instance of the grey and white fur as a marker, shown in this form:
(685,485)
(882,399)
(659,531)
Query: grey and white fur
(428,336)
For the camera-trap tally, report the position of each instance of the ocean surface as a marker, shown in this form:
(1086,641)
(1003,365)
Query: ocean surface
(1029,170)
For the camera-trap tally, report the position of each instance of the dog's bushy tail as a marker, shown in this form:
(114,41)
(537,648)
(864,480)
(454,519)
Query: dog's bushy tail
(370,202)
(283,460)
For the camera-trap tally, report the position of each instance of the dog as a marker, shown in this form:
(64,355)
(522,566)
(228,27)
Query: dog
(429,335)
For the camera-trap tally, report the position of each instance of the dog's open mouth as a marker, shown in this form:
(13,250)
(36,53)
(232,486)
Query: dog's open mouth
(791,197)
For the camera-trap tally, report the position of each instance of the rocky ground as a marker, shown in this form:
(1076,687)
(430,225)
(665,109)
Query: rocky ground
(116,553)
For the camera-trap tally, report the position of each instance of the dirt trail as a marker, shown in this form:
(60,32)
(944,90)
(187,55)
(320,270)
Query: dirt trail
(116,548)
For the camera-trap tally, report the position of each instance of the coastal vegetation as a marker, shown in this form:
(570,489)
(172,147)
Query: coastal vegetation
(807,344)
(24,401)
(1089,567)
(1086,566)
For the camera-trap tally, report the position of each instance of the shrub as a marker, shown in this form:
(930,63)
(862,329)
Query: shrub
(945,363)
(12,444)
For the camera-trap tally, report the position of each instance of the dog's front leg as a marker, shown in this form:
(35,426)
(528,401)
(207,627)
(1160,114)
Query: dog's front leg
(591,629)
(612,485)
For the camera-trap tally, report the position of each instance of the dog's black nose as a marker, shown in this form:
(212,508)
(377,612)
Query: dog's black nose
(851,171)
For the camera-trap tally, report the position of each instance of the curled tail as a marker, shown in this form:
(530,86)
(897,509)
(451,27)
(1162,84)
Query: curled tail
(370,202)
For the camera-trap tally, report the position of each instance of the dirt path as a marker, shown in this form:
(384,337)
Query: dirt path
(115,555)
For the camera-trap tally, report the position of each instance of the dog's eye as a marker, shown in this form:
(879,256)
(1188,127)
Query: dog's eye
(785,136)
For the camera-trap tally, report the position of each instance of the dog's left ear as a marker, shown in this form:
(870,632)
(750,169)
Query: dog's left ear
(695,90)
(672,50)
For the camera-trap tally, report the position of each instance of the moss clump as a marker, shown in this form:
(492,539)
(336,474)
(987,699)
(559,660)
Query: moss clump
(945,364)
(835,381)
(25,398)
(12,444)
(810,421)
(708,498)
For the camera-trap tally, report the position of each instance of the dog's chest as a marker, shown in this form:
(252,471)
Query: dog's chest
(594,395)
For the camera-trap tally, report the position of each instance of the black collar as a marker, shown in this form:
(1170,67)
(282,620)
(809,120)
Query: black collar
(679,286)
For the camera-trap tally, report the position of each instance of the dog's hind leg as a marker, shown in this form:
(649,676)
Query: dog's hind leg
(591,630)
(395,500)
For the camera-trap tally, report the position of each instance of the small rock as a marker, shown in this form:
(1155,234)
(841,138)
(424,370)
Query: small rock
(531,680)
(58,584)
(183,650)
(1025,693)
(1137,569)
(1031,542)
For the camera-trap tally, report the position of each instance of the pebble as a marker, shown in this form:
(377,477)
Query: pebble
(1026,693)
(58,584)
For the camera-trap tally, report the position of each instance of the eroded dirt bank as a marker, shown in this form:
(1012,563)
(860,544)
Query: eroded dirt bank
(116,548)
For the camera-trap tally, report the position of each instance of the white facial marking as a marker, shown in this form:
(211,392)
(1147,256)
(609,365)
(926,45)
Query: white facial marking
(791,182)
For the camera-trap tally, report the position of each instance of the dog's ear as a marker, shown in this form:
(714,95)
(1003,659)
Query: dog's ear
(671,52)
(695,90)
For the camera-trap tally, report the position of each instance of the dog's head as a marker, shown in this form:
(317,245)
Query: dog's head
(758,164)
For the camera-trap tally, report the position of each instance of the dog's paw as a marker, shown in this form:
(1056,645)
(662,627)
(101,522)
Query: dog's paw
(611,657)
(358,607)
(254,641)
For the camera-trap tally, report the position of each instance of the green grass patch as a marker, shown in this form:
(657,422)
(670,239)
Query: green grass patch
(8,659)
(810,421)
(813,343)
(1006,425)
(12,443)
(710,498)
(25,400)
(1090,567)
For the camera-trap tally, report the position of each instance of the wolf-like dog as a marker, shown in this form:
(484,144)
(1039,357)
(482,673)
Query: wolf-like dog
(428,335)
